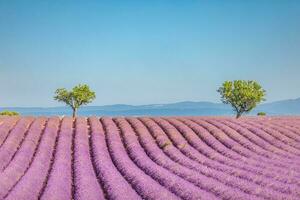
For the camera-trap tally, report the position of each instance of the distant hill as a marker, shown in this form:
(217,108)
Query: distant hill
(285,107)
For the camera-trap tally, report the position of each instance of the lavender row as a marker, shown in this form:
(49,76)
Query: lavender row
(200,139)
(18,166)
(162,137)
(294,130)
(13,141)
(33,181)
(280,122)
(142,182)
(115,185)
(285,130)
(259,143)
(150,158)
(173,181)
(7,125)
(293,124)
(280,136)
(231,144)
(256,139)
(175,161)
(219,141)
(86,184)
(253,151)
(290,152)
(59,184)
(233,148)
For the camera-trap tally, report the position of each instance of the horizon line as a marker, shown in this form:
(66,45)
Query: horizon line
(137,104)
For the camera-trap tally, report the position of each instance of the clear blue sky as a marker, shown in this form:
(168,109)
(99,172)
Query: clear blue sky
(140,52)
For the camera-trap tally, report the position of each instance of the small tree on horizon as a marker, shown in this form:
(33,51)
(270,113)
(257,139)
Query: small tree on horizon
(9,113)
(78,96)
(242,95)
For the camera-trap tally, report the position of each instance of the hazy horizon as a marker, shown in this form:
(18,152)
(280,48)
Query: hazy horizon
(136,53)
(163,103)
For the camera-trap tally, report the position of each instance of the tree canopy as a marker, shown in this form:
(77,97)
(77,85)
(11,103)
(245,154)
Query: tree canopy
(78,96)
(9,113)
(242,95)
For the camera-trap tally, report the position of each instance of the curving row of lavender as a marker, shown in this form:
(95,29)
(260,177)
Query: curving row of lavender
(149,158)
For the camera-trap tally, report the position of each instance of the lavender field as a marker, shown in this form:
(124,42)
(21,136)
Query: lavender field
(149,158)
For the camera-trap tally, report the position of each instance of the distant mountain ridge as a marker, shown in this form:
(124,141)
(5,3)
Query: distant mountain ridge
(185,108)
(288,107)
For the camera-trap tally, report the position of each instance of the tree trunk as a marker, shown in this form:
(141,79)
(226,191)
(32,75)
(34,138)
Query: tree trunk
(74,112)
(238,115)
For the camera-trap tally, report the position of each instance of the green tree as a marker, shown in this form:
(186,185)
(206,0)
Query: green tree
(242,95)
(9,113)
(261,114)
(78,96)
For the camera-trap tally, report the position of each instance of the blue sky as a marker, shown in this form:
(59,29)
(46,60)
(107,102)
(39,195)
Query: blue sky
(140,52)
